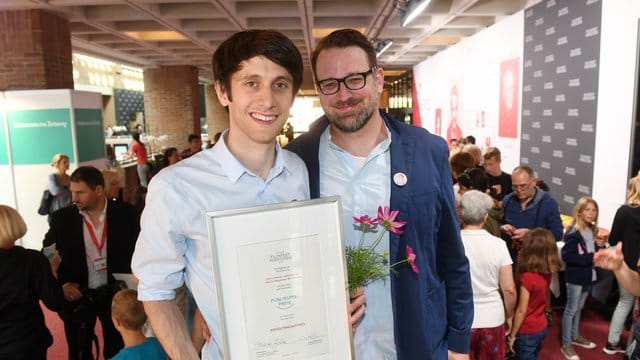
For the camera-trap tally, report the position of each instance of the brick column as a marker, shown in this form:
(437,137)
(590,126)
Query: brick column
(35,51)
(217,115)
(171,103)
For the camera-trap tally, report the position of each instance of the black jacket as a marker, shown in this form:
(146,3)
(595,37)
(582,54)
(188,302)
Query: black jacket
(579,262)
(25,279)
(123,226)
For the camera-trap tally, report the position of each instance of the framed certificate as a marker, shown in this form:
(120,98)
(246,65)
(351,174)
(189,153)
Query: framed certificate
(281,281)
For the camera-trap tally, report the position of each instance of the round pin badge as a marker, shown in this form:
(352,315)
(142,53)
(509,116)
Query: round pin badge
(400,179)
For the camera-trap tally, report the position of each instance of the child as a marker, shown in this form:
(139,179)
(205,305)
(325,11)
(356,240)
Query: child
(580,274)
(537,260)
(128,317)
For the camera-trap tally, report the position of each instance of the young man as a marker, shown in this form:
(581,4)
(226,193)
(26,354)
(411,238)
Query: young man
(257,74)
(370,160)
(499,181)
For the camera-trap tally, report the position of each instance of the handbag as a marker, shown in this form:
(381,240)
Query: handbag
(45,203)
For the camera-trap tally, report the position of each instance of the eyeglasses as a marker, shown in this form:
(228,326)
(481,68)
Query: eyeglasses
(520,186)
(353,82)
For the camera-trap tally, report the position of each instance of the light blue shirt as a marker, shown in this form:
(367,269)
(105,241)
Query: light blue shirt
(363,185)
(173,245)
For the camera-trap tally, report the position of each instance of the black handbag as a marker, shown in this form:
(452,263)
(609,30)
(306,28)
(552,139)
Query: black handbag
(45,203)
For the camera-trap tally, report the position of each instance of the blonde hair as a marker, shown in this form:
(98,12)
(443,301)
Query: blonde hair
(57,158)
(493,153)
(128,310)
(633,191)
(111,178)
(12,226)
(578,222)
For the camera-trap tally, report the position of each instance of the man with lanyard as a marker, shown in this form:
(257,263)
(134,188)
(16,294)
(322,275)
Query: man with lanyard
(371,160)
(95,239)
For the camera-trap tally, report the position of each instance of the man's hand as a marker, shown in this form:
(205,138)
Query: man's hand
(518,234)
(71,291)
(357,307)
(457,356)
(508,229)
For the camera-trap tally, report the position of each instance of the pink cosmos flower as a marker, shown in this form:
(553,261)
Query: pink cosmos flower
(411,258)
(387,218)
(366,221)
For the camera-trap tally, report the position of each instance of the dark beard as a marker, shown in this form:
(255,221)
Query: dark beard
(361,120)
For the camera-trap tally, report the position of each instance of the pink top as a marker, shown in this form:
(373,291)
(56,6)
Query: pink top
(140,151)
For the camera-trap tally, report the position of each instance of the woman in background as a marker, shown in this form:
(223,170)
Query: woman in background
(140,151)
(111,184)
(58,184)
(625,230)
(25,279)
(494,291)
(476,179)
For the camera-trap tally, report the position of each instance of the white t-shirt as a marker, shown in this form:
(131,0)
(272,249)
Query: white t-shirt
(486,254)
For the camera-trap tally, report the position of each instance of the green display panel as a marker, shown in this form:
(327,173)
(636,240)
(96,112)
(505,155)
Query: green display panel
(37,135)
(4,156)
(89,134)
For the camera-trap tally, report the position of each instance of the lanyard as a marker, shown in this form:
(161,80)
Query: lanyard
(94,239)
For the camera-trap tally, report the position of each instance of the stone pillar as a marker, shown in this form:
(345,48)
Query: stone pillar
(171,104)
(35,51)
(217,115)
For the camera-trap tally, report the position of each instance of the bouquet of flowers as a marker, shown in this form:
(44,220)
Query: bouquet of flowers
(364,264)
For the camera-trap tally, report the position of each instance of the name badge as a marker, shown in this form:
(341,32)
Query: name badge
(100,264)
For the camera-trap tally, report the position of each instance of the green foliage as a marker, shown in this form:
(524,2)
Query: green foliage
(364,266)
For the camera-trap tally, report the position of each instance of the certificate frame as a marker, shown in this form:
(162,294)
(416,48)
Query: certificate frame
(281,282)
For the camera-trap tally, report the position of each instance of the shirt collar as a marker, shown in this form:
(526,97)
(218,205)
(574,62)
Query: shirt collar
(380,148)
(234,169)
(85,214)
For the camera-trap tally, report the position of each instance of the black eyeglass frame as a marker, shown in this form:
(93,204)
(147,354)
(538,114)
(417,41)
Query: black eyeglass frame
(364,75)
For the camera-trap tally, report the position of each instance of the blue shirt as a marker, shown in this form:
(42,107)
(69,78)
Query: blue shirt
(363,185)
(148,350)
(173,246)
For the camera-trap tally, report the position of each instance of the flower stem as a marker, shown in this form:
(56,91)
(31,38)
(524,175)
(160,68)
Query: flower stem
(398,263)
(364,230)
(377,241)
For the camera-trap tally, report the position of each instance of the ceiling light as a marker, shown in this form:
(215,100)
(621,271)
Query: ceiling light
(155,35)
(413,9)
(382,46)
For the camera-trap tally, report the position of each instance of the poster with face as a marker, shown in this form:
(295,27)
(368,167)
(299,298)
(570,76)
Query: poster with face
(454,131)
(509,98)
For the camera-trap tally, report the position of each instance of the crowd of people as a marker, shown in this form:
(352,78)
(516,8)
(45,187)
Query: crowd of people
(485,242)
